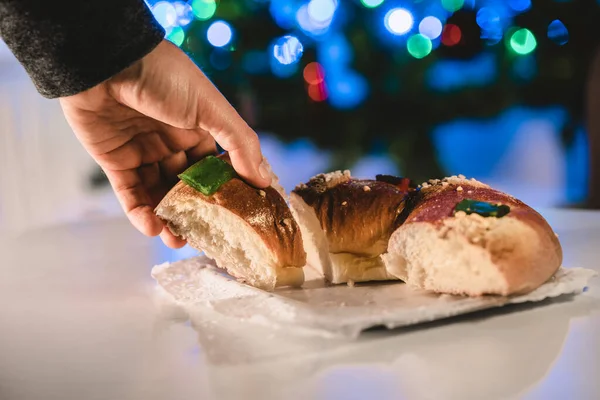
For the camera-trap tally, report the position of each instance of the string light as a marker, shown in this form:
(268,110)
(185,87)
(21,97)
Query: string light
(453,5)
(346,89)
(176,36)
(371,3)
(558,33)
(321,11)
(318,92)
(165,14)
(184,12)
(451,35)
(288,50)
(419,46)
(519,5)
(313,73)
(399,21)
(219,34)
(204,9)
(523,42)
(430,27)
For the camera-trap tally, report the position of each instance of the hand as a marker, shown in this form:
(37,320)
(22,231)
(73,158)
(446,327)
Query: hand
(147,124)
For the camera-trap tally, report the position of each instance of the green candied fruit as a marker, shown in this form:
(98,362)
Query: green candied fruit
(208,175)
(482,208)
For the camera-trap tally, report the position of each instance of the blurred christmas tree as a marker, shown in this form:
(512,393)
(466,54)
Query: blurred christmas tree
(357,76)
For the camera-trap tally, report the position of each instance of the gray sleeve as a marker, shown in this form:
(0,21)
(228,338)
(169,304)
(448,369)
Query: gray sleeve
(68,46)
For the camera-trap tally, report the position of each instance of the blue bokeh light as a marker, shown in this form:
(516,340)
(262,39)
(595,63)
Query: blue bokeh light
(284,13)
(557,32)
(347,89)
(334,53)
(184,13)
(399,21)
(321,11)
(488,18)
(449,75)
(288,50)
(519,5)
(219,34)
(165,14)
(430,27)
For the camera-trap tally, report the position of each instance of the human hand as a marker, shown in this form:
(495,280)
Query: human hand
(147,124)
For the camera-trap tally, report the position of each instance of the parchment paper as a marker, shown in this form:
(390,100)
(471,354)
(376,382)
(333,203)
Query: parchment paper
(338,310)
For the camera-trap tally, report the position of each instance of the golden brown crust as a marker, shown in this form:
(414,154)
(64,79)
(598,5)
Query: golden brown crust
(264,210)
(358,216)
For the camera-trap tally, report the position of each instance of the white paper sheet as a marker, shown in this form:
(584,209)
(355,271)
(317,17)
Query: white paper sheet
(339,310)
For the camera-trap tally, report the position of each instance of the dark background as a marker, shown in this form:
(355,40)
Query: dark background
(463,107)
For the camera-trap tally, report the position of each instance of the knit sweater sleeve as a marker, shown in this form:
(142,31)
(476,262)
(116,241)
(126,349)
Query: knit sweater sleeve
(68,46)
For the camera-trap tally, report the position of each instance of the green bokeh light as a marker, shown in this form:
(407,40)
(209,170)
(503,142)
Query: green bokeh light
(371,3)
(523,42)
(419,46)
(453,5)
(204,9)
(176,36)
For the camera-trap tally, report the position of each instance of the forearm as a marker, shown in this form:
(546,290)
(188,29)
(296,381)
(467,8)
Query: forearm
(68,46)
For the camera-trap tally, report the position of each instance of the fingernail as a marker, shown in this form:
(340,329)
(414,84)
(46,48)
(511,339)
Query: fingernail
(264,170)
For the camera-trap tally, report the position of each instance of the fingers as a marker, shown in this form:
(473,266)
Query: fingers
(135,201)
(173,165)
(171,240)
(246,157)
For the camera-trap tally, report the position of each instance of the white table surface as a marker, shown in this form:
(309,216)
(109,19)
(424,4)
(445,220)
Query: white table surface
(79,320)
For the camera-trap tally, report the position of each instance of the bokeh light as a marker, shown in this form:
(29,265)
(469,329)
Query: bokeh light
(558,33)
(522,41)
(284,13)
(399,21)
(165,14)
(371,3)
(184,12)
(204,9)
(519,5)
(176,36)
(453,5)
(347,89)
(219,34)
(288,50)
(430,27)
(419,46)
(318,92)
(488,18)
(321,11)
(313,73)
(451,35)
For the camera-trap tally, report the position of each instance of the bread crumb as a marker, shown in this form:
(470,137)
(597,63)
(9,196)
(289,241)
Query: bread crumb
(344,203)
(350,283)
(434,181)
(366,188)
(460,214)
(262,193)
(444,184)
(470,192)
(461,176)
(287,222)
(459,189)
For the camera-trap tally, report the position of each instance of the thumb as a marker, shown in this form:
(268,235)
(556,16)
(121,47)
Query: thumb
(167,86)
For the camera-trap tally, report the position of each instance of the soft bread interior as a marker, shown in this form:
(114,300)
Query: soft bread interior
(468,254)
(346,267)
(335,267)
(229,241)
(313,237)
